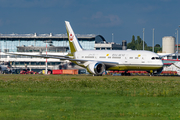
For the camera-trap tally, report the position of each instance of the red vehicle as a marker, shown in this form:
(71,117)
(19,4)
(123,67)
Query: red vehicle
(26,71)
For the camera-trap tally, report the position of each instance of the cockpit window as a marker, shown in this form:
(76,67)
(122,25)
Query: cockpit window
(157,58)
(154,58)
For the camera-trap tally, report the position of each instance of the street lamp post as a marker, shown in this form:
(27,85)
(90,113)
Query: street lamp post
(177,45)
(153,40)
(46,60)
(177,51)
(143,38)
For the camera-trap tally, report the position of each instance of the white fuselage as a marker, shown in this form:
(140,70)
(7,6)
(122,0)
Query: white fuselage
(126,59)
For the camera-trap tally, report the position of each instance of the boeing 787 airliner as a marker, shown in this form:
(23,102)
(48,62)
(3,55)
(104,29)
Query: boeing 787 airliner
(98,61)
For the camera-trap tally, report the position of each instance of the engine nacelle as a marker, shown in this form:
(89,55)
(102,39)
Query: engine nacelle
(96,68)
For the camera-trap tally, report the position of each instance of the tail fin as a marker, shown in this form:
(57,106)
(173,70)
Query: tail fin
(73,41)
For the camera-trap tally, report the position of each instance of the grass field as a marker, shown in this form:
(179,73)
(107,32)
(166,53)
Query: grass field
(87,97)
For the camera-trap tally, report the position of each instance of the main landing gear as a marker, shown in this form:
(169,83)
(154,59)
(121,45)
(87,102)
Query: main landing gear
(126,73)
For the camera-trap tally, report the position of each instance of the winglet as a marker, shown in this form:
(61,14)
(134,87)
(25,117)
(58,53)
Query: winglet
(73,41)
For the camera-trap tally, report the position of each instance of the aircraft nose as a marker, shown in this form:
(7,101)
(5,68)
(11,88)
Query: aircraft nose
(161,63)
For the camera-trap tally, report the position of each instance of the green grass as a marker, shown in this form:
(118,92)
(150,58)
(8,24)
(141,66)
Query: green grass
(88,97)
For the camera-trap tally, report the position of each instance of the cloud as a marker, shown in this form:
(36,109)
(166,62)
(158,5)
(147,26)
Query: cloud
(97,15)
(101,20)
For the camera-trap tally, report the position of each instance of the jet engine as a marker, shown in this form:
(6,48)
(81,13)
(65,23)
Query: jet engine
(96,68)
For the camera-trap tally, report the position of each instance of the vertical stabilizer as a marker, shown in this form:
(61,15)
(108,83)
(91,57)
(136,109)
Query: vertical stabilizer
(73,41)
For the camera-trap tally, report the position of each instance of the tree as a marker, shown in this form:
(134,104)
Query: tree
(157,45)
(132,44)
(157,48)
(137,44)
(133,39)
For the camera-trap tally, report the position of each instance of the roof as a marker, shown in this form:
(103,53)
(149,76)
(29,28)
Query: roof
(35,35)
(13,36)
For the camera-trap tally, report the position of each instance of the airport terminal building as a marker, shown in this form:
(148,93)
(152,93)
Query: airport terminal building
(37,42)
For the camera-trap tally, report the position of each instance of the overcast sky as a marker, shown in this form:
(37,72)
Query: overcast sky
(123,18)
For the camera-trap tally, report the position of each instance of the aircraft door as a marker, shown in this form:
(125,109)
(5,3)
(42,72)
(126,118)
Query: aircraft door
(143,58)
(126,59)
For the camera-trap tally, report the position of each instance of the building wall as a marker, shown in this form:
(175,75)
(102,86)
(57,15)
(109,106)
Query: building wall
(168,44)
(10,42)
(108,46)
(11,45)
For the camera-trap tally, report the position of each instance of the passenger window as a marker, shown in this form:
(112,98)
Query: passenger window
(130,57)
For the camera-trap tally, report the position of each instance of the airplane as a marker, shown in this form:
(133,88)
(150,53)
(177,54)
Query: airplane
(98,61)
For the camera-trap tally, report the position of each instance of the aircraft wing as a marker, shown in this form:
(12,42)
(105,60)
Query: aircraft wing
(43,56)
(61,57)
(161,56)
